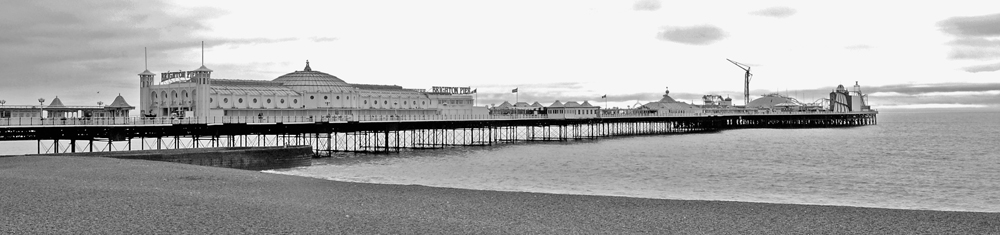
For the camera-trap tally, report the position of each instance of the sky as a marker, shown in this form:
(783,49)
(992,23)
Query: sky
(919,54)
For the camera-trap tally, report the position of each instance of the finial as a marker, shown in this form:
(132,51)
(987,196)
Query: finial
(202,53)
(307,69)
(145,58)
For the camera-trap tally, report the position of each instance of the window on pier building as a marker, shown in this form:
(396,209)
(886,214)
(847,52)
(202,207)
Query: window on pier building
(282,101)
(254,100)
(268,101)
(241,100)
(296,101)
(225,100)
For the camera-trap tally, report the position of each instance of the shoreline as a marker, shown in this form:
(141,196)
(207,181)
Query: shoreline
(275,171)
(105,195)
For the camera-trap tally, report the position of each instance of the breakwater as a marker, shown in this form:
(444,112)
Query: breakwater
(247,158)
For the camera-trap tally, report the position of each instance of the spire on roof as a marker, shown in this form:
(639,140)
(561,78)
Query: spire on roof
(203,68)
(307,69)
(119,102)
(56,103)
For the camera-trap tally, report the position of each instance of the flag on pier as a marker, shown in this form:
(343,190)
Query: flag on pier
(604,96)
(514,90)
(475,90)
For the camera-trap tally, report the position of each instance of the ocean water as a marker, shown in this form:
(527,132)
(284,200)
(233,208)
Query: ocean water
(913,159)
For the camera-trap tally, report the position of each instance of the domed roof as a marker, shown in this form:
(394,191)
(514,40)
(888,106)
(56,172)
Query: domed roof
(840,88)
(308,77)
(771,101)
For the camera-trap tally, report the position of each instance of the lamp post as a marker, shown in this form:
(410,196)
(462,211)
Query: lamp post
(41,108)
(3,113)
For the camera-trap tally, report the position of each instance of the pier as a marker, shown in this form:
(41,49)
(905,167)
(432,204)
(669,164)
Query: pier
(382,134)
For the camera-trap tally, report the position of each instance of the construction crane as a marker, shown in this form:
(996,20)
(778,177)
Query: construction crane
(746,77)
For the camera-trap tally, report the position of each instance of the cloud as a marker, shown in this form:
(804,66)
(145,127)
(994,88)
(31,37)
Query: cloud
(987,25)
(933,106)
(777,12)
(974,48)
(646,5)
(324,39)
(973,37)
(49,47)
(935,95)
(692,35)
(982,68)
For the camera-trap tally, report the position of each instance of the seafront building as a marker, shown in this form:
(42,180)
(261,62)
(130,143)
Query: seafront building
(304,93)
(56,109)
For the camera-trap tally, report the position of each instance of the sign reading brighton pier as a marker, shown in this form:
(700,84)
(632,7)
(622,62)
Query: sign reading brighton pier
(451,90)
(180,74)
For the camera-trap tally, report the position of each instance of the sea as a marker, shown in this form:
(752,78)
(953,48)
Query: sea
(926,159)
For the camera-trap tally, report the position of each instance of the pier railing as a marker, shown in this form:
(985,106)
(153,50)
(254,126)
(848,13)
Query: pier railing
(29,121)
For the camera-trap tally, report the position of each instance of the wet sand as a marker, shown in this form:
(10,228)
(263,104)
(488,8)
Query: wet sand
(50,194)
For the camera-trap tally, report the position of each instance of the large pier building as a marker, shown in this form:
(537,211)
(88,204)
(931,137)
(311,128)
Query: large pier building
(300,93)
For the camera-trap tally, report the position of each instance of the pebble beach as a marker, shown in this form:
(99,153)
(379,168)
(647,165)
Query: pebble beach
(58,194)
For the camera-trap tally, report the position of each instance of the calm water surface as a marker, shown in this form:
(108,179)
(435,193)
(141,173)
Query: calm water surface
(924,159)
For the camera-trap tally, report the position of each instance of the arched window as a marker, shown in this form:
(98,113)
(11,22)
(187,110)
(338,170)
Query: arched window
(268,101)
(164,95)
(338,97)
(295,101)
(282,101)
(240,100)
(254,100)
(366,101)
(185,94)
(174,93)
(155,95)
(404,102)
(210,100)
(225,100)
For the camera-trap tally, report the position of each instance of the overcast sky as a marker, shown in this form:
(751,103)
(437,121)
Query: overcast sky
(912,54)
